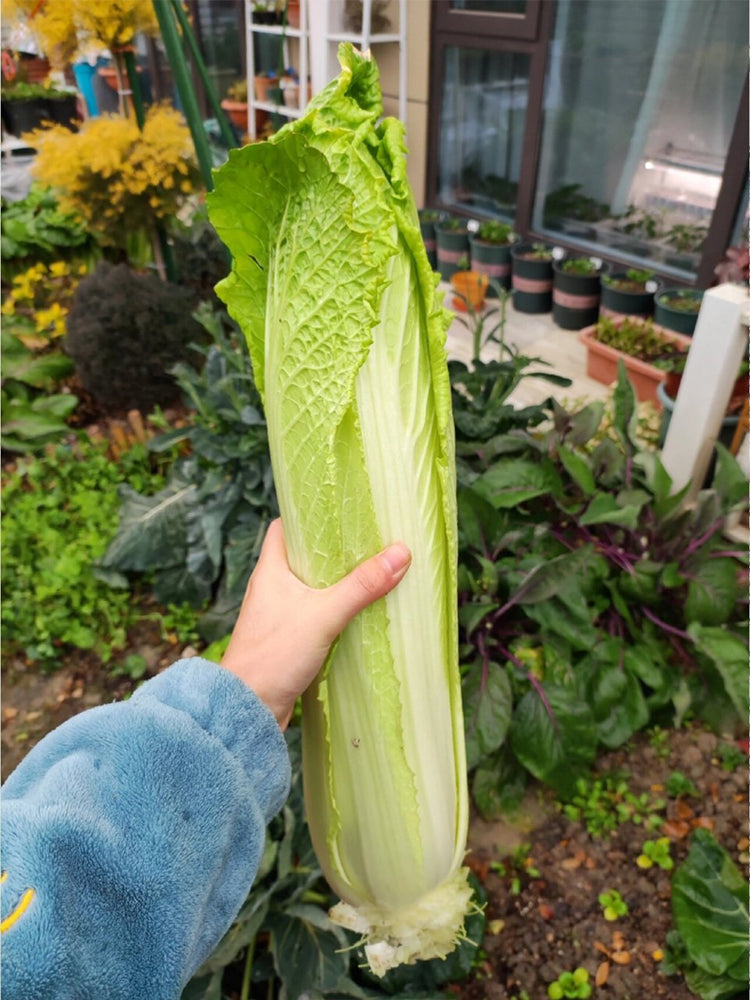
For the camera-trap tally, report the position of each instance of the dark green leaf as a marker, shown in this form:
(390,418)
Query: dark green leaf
(625,416)
(730,657)
(584,424)
(712,592)
(152,532)
(578,469)
(604,509)
(309,951)
(709,903)
(552,733)
(729,480)
(614,695)
(513,481)
(498,784)
(470,615)
(487,706)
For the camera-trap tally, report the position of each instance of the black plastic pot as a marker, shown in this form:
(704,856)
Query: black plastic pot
(676,319)
(452,245)
(24,114)
(63,110)
(531,280)
(575,297)
(492,259)
(427,228)
(618,302)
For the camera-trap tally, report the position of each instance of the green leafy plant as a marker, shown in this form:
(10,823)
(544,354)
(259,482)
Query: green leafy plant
(580,265)
(36,227)
(730,756)
(627,596)
(686,300)
(613,905)
(710,909)
(687,237)
(634,280)
(641,223)
(24,91)
(430,215)
(539,251)
(125,331)
(569,202)
(678,785)
(638,338)
(60,510)
(200,535)
(603,804)
(33,414)
(498,233)
(659,740)
(570,984)
(454,225)
(656,852)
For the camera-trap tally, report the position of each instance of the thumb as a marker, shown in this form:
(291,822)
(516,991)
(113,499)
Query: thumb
(372,579)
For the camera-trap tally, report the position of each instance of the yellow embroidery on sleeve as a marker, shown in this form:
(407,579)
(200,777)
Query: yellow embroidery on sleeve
(19,910)
(3,876)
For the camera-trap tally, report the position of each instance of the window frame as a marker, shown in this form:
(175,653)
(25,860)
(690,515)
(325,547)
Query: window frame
(531,34)
(523,27)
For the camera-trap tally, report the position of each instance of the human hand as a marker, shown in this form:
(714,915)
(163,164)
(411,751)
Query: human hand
(285,628)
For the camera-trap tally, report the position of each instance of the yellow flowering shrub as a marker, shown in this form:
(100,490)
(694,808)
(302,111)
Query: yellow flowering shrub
(118,178)
(62,27)
(38,302)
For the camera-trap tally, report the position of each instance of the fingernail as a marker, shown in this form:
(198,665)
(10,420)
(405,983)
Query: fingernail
(397,557)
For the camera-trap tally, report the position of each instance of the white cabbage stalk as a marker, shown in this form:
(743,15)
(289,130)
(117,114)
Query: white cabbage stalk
(331,285)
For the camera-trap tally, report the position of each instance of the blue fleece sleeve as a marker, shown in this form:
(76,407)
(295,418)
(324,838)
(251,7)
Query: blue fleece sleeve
(131,836)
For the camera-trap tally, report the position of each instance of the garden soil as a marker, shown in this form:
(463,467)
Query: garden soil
(538,925)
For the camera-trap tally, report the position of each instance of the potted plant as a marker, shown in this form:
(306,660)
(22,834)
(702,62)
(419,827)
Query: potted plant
(532,277)
(235,105)
(264,11)
(25,106)
(667,395)
(264,82)
(645,349)
(428,220)
(576,287)
(628,293)
(290,87)
(470,287)
(452,243)
(490,250)
(678,308)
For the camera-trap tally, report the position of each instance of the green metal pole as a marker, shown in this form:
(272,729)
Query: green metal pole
(176,57)
(140,117)
(226,129)
(135,89)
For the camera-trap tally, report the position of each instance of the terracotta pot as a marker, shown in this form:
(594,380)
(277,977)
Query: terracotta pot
(237,113)
(472,285)
(262,85)
(602,362)
(293,13)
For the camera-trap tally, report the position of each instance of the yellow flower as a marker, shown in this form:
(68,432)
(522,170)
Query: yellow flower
(58,269)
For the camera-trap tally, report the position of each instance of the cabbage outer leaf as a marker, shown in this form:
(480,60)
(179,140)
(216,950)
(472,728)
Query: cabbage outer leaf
(331,285)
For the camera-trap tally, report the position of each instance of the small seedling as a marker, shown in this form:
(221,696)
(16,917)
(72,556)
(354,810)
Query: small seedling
(730,756)
(613,905)
(606,803)
(570,985)
(656,852)
(678,784)
(659,741)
